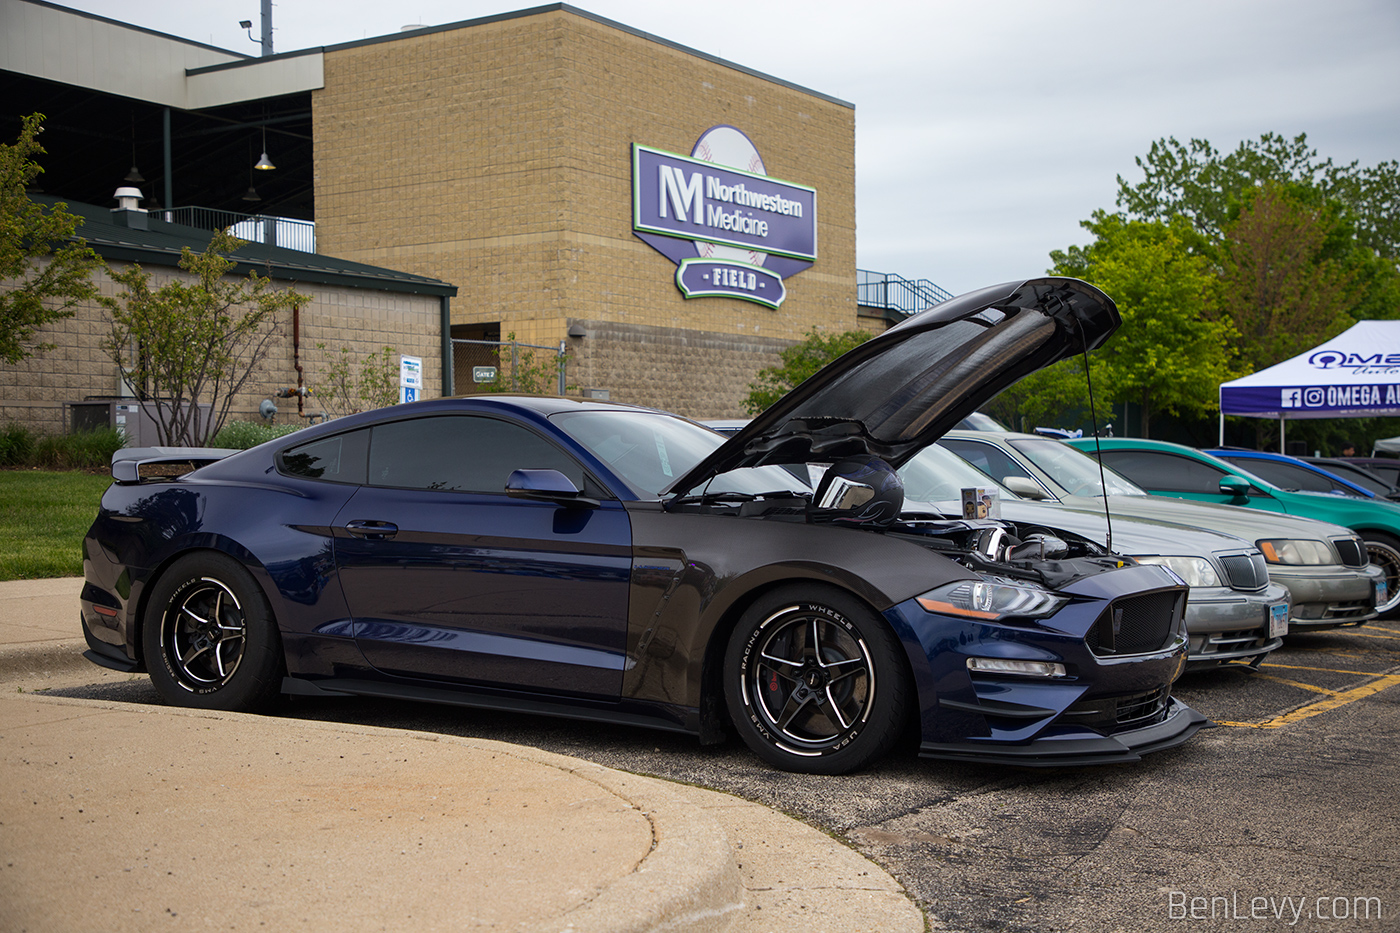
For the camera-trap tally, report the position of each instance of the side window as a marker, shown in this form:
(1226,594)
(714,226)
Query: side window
(990,460)
(338,459)
(461,453)
(1289,475)
(1165,472)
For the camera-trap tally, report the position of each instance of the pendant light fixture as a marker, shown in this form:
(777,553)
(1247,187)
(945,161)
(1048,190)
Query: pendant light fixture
(264,164)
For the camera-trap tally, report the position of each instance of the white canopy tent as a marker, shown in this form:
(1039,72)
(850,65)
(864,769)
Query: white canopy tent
(1354,375)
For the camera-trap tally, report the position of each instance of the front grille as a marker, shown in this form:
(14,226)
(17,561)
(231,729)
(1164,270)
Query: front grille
(1353,552)
(1109,714)
(1136,624)
(1246,571)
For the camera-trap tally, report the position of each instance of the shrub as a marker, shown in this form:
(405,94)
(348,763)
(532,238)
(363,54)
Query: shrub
(85,450)
(244,434)
(16,445)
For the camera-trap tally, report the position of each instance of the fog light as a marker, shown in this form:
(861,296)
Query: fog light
(1014,666)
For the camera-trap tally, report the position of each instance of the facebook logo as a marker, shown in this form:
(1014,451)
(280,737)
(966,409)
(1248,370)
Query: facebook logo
(1292,398)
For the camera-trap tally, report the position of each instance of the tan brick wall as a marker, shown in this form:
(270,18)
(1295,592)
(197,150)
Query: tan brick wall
(33,392)
(497,157)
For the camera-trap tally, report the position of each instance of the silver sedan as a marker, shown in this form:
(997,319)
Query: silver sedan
(1324,566)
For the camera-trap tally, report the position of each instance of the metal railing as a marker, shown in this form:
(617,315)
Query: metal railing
(257,228)
(888,291)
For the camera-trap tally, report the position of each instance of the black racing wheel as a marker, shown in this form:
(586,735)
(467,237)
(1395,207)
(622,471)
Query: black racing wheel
(815,681)
(210,639)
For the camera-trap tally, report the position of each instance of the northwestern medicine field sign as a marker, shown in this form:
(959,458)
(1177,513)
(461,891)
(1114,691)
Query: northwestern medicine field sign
(731,230)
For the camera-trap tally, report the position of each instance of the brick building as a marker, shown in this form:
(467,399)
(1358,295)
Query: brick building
(499,155)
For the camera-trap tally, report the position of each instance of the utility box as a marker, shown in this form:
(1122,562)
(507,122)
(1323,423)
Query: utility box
(124,414)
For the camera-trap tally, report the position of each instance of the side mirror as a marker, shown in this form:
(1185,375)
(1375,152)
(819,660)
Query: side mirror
(1235,486)
(547,486)
(1025,487)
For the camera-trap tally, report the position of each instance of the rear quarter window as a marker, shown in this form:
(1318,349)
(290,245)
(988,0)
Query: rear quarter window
(338,459)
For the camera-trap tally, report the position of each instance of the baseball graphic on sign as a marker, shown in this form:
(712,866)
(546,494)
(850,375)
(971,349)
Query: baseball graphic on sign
(727,145)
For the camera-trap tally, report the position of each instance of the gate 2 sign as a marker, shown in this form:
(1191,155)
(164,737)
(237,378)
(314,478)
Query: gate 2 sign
(731,230)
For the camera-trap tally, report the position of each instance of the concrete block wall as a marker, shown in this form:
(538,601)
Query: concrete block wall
(497,157)
(33,392)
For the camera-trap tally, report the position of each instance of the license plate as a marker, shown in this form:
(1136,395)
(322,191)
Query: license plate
(1380,592)
(1278,620)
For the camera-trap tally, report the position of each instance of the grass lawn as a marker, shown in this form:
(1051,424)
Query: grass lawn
(43,517)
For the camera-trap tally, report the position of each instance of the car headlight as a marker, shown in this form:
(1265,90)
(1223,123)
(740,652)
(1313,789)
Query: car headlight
(1193,571)
(1296,551)
(991,599)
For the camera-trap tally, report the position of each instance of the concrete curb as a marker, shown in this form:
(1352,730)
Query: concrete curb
(688,883)
(43,658)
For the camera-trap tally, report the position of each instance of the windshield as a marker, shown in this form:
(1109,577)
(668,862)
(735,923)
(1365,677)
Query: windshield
(650,450)
(1075,471)
(939,475)
(977,421)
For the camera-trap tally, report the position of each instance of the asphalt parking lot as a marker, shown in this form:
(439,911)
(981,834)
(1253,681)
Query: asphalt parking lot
(1284,816)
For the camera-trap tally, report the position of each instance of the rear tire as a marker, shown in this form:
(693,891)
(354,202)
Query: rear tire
(1384,552)
(815,681)
(211,640)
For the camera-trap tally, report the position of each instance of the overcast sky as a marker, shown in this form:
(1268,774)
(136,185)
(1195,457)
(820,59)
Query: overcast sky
(985,131)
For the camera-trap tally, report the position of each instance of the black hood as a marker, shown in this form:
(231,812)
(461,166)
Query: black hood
(902,390)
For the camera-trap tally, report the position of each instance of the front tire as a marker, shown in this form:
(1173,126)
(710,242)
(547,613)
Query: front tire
(815,681)
(1384,552)
(211,640)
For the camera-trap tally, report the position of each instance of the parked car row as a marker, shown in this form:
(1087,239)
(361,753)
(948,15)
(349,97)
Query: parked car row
(1180,472)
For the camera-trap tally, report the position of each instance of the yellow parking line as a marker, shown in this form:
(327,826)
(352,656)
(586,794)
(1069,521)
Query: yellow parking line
(1325,670)
(1322,706)
(1297,683)
(1393,637)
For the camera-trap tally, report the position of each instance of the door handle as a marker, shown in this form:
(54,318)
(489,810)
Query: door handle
(371,530)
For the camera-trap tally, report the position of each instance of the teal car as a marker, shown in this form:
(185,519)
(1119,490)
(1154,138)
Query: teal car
(1165,469)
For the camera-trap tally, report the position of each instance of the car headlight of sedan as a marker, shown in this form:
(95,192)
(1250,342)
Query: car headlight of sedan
(992,599)
(1296,551)
(1193,571)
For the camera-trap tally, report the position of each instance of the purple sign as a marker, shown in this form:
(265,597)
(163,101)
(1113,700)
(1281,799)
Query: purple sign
(732,230)
(673,195)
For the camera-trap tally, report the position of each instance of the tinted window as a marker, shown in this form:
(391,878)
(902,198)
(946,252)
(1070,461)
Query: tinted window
(1165,472)
(986,458)
(1360,477)
(1386,471)
(339,459)
(461,453)
(1287,475)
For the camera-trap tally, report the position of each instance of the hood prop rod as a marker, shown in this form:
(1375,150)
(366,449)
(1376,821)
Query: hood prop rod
(1094,419)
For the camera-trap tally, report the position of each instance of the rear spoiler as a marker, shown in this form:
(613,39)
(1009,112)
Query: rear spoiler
(164,462)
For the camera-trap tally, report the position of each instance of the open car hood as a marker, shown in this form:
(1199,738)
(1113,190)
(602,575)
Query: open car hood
(900,391)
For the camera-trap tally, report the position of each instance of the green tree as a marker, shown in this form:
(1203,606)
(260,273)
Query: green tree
(1208,188)
(799,362)
(191,342)
(44,270)
(1285,282)
(1169,355)
(346,392)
